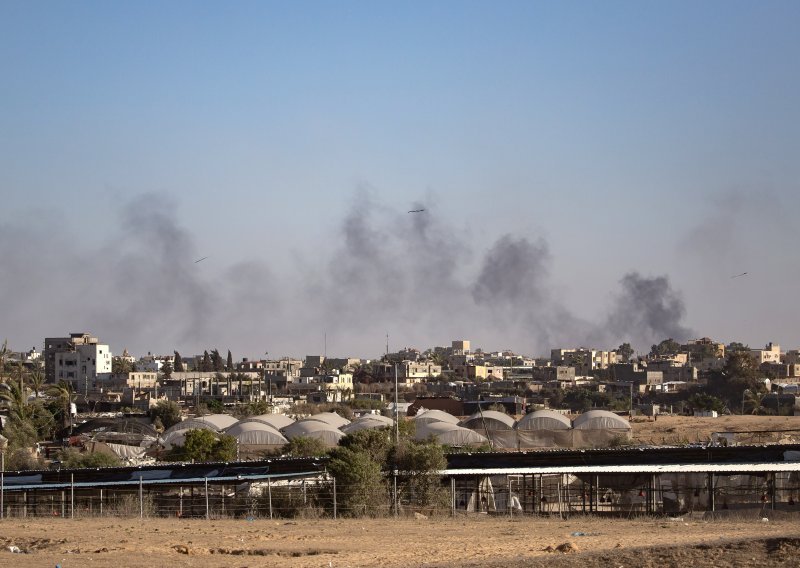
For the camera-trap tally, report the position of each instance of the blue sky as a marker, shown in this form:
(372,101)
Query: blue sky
(628,136)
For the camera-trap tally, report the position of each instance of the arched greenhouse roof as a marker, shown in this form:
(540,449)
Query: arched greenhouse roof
(213,422)
(449,434)
(435,416)
(600,420)
(277,421)
(543,420)
(256,434)
(330,418)
(314,429)
(365,424)
(488,420)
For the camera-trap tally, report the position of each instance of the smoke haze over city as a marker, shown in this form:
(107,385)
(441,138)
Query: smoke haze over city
(585,176)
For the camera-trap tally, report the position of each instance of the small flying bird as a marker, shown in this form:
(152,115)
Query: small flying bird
(200,259)
(738,275)
(416,211)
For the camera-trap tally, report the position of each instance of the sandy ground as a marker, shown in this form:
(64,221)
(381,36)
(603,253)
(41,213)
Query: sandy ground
(668,430)
(450,542)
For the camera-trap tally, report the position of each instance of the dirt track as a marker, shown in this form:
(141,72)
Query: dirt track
(475,541)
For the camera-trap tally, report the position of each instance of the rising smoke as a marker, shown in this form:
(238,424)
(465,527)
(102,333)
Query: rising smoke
(409,274)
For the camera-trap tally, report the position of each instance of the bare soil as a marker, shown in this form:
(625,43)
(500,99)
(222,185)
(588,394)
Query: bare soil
(462,541)
(676,430)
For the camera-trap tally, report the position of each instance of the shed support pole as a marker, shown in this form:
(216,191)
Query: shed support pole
(711,492)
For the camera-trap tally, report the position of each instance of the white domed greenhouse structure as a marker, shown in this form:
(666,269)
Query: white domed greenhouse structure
(497,427)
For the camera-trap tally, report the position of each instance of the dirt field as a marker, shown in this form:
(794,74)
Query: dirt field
(668,430)
(474,541)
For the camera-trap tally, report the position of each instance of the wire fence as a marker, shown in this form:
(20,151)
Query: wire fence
(513,495)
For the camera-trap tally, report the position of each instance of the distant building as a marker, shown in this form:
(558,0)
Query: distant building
(79,359)
(703,348)
(770,354)
(584,360)
(461,347)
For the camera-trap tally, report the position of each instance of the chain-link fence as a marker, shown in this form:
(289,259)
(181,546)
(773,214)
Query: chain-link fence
(319,496)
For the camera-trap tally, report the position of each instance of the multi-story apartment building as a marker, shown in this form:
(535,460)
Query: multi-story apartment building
(584,360)
(79,359)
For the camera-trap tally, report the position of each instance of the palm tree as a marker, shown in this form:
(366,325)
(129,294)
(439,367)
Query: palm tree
(4,353)
(755,400)
(63,392)
(14,398)
(36,381)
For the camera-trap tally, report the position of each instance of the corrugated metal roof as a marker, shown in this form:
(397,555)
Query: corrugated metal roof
(150,482)
(729,468)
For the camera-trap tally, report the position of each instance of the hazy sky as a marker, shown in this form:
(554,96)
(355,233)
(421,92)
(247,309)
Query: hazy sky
(591,173)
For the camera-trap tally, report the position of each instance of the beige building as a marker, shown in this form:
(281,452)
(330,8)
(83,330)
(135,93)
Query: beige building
(584,360)
(704,347)
(770,354)
(461,347)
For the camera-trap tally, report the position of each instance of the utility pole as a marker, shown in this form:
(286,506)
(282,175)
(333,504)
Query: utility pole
(396,410)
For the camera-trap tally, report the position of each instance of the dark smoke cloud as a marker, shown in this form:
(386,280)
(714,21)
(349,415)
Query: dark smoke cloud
(409,274)
(646,311)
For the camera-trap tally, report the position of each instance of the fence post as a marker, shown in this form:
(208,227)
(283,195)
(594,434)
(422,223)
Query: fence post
(269,495)
(71,495)
(63,504)
(208,512)
(141,499)
(394,494)
(101,502)
(334,498)
(453,495)
(508,502)
(3,488)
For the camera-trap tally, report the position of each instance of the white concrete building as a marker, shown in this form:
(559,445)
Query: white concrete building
(83,366)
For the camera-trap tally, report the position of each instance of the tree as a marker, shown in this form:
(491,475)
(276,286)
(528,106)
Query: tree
(305,447)
(377,442)
(71,458)
(418,462)
(216,361)
(666,347)
(178,362)
(625,352)
(753,401)
(62,392)
(360,485)
(121,366)
(14,397)
(202,445)
(363,374)
(36,381)
(167,411)
(703,401)
(230,361)
(736,346)
(740,364)
(206,365)
(4,354)
(166,370)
